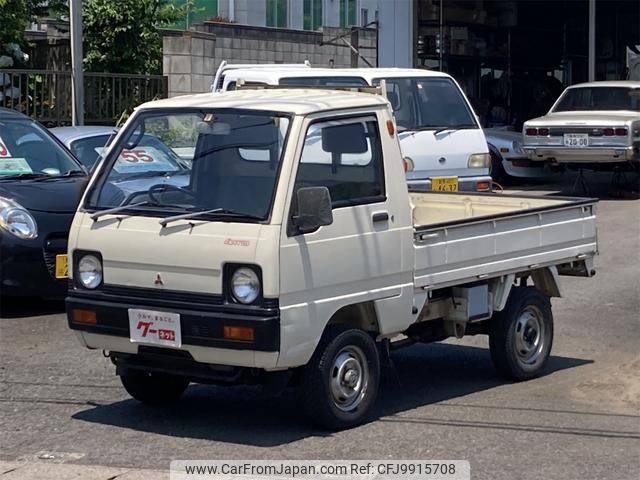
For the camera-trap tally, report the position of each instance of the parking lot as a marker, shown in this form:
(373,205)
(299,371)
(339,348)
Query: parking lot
(62,404)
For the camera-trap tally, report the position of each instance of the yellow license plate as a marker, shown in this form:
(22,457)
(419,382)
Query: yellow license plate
(62,266)
(444,184)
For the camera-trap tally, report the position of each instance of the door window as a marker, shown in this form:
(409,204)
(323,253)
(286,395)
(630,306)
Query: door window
(346,157)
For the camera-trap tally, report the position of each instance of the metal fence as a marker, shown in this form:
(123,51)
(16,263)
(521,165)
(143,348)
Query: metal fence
(46,95)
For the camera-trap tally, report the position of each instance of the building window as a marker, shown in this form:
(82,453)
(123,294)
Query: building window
(348,13)
(312,14)
(201,10)
(277,13)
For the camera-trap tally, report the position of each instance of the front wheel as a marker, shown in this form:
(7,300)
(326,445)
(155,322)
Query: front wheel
(153,388)
(521,335)
(340,383)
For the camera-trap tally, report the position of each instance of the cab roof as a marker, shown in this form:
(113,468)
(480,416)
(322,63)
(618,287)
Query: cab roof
(296,101)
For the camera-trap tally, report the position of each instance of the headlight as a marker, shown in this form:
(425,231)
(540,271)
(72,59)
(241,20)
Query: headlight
(517,147)
(245,285)
(90,271)
(479,160)
(16,220)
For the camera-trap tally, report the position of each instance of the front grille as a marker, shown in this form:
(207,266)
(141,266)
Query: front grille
(176,299)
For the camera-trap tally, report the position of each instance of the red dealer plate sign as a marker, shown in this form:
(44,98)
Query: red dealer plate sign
(155,328)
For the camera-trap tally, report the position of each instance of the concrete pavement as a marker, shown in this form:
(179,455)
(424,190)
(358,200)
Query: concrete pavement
(63,411)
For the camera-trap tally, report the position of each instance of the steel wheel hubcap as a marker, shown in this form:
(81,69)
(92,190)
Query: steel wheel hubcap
(349,378)
(529,332)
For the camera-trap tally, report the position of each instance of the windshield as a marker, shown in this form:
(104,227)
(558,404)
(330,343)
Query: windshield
(26,149)
(428,103)
(599,98)
(236,160)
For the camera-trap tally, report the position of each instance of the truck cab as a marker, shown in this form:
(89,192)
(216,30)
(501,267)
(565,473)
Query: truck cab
(296,256)
(440,137)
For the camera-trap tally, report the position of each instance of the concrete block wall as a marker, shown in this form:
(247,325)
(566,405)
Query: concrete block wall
(191,58)
(188,61)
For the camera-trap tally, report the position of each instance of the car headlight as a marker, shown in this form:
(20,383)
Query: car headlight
(517,147)
(17,220)
(245,285)
(90,271)
(479,160)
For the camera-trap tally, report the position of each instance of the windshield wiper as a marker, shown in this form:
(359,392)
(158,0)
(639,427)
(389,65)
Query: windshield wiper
(100,213)
(25,176)
(67,174)
(223,212)
(453,128)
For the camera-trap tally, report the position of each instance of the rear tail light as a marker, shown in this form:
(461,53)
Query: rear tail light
(621,131)
(608,132)
(531,131)
(543,132)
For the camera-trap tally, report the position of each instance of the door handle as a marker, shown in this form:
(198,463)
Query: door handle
(380,217)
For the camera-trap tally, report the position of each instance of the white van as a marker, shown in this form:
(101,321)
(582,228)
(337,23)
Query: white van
(440,136)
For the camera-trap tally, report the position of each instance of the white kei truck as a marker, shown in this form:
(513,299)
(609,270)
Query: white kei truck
(297,256)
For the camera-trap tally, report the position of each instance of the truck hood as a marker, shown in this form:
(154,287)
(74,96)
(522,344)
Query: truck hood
(583,118)
(444,154)
(186,255)
(53,196)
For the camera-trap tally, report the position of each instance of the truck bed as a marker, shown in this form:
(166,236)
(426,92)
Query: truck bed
(463,237)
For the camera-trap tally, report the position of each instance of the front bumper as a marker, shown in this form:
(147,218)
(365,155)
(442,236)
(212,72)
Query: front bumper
(480,183)
(202,320)
(27,267)
(562,154)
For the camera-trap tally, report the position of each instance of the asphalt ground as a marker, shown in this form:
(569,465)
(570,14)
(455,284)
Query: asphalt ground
(63,413)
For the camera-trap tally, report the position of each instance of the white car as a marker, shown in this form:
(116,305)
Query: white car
(508,159)
(441,139)
(593,124)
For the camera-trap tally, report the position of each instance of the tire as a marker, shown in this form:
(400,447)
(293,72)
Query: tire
(496,170)
(521,336)
(153,388)
(340,382)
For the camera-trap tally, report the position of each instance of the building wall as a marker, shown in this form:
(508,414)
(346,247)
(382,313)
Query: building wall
(191,58)
(254,12)
(396,30)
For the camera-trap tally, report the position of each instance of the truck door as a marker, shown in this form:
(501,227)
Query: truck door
(358,258)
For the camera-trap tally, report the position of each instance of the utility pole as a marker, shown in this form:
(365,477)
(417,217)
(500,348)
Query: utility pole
(77,73)
(592,40)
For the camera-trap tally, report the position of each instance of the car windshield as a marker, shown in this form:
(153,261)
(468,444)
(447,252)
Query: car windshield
(599,98)
(428,103)
(27,150)
(236,160)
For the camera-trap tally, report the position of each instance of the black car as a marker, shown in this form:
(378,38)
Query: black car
(40,186)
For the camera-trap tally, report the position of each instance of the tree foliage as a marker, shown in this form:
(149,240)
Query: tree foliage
(15,17)
(121,36)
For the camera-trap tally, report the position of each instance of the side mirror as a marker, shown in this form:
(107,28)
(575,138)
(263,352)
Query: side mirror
(314,209)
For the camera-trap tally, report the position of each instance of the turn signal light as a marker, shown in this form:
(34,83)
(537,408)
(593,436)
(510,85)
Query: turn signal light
(543,132)
(483,186)
(245,334)
(608,132)
(84,316)
(531,131)
(621,131)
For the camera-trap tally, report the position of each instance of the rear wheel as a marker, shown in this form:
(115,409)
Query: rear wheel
(153,388)
(521,335)
(340,382)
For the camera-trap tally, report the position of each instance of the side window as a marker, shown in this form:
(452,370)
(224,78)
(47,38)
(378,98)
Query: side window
(346,157)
